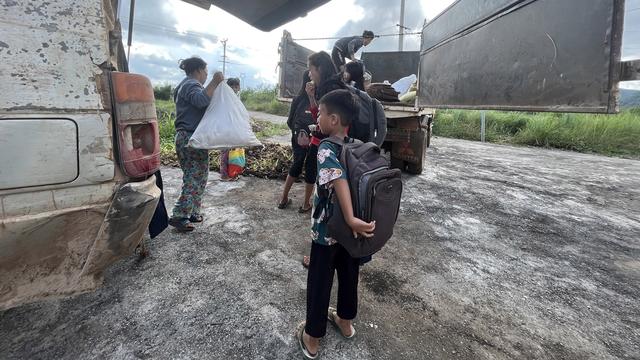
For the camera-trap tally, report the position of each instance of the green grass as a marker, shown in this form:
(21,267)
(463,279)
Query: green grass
(266,129)
(612,135)
(264,100)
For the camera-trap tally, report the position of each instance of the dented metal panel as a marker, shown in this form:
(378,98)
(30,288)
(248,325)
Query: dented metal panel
(36,202)
(63,252)
(51,53)
(523,55)
(42,255)
(125,224)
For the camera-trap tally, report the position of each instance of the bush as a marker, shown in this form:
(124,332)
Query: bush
(264,99)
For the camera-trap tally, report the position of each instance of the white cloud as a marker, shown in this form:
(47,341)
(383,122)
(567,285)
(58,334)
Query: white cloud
(144,49)
(255,50)
(431,8)
(633,85)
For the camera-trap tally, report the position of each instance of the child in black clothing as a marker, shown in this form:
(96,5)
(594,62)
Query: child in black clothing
(337,109)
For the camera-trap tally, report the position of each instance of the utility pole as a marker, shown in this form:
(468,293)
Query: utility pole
(401,27)
(483,125)
(130,31)
(224,55)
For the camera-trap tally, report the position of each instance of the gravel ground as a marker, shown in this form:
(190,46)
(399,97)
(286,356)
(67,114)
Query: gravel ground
(499,253)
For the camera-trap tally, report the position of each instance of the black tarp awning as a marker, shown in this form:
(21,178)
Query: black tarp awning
(265,15)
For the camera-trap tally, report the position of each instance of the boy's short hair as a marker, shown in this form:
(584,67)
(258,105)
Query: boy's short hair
(233,82)
(368,34)
(343,103)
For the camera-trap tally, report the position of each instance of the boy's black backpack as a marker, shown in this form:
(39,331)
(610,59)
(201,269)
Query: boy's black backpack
(371,125)
(375,189)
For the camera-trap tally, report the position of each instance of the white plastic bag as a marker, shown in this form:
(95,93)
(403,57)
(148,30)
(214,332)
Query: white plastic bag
(226,123)
(403,85)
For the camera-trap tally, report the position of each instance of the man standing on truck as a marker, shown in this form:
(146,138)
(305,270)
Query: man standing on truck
(347,47)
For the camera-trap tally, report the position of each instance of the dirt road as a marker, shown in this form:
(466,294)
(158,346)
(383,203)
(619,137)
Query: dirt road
(500,253)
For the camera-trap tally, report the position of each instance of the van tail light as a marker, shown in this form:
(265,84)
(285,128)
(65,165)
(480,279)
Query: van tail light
(136,124)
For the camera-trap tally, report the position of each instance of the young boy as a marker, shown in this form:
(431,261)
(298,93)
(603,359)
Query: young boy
(337,109)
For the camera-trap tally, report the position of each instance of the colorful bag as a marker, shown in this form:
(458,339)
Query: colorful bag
(237,162)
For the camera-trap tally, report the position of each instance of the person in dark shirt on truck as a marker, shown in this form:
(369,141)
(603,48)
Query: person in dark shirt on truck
(347,47)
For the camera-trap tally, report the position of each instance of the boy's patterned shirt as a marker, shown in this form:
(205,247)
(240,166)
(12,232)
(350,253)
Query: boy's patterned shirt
(329,170)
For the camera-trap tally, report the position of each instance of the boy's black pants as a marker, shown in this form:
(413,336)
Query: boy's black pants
(325,260)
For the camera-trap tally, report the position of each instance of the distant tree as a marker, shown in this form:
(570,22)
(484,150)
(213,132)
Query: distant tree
(162,92)
(629,98)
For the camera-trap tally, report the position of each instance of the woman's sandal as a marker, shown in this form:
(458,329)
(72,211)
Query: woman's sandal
(285,204)
(331,317)
(196,218)
(182,225)
(299,335)
(303,210)
(306,260)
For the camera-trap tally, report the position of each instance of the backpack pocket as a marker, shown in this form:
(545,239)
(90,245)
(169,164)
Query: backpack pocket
(383,207)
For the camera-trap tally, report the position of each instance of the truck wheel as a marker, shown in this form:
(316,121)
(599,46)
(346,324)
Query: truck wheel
(397,163)
(414,168)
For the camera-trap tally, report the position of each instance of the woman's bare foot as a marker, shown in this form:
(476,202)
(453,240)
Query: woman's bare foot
(312,344)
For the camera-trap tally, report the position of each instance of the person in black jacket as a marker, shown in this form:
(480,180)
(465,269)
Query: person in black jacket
(324,79)
(354,75)
(347,47)
(298,121)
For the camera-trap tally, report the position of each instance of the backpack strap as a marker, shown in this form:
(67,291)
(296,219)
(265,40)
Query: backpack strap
(375,117)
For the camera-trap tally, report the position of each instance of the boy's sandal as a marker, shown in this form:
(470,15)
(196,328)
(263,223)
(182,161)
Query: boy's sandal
(285,204)
(196,218)
(331,317)
(306,260)
(182,225)
(303,210)
(299,335)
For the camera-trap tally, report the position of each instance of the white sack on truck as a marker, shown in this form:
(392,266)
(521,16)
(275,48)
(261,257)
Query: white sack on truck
(402,86)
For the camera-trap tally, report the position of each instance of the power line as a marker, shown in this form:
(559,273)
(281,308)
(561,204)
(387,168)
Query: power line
(340,37)
(189,33)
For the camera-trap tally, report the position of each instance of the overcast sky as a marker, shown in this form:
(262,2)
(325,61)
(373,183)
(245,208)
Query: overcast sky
(166,31)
